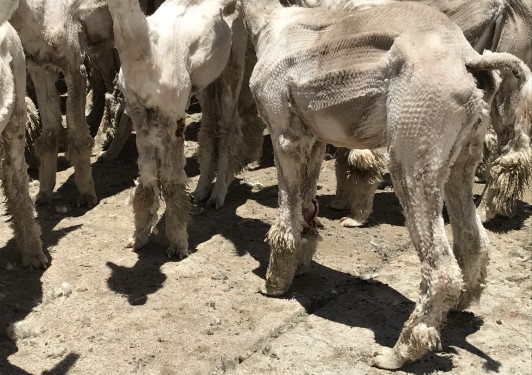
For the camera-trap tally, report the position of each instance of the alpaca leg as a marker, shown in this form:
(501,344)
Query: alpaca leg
(15,184)
(146,194)
(365,169)
(284,237)
(207,139)
(46,146)
(470,242)
(123,132)
(230,141)
(79,142)
(174,187)
(419,187)
(310,236)
(341,199)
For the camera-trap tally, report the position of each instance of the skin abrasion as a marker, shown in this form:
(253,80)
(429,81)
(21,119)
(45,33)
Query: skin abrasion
(369,73)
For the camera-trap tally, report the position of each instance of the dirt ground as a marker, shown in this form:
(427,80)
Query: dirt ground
(101,308)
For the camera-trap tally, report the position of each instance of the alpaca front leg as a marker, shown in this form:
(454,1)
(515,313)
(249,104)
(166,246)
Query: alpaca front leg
(420,192)
(46,146)
(146,194)
(79,141)
(341,199)
(230,141)
(174,187)
(470,241)
(15,184)
(207,139)
(284,237)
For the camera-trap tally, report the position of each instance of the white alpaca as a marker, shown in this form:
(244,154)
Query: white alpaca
(495,25)
(401,76)
(182,48)
(12,128)
(57,35)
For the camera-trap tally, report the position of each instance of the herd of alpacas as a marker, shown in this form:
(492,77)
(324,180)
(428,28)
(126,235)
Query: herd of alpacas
(414,88)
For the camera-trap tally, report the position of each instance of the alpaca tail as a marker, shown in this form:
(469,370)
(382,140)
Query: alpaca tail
(511,172)
(7,8)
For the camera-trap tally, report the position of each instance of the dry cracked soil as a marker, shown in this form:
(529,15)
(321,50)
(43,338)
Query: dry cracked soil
(101,308)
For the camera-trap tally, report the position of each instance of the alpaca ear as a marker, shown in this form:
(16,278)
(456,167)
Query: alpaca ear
(7,8)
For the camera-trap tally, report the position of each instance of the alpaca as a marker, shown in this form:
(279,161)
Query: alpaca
(501,27)
(12,127)
(401,76)
(56,36)
(179,50)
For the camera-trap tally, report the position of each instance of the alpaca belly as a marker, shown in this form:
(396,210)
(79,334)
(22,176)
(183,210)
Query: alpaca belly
(358,124)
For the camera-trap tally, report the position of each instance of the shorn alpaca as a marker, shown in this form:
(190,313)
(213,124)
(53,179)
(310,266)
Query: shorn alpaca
(496,25)
(179,50)
(12,128)
(56,36)
(404,76)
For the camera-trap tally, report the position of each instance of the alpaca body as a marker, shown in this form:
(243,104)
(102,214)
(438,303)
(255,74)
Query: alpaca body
(403,76)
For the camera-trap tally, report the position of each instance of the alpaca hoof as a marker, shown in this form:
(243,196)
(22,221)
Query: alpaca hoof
(41,199)
(137,242)
(181,252)
(86,200)
(339,205)
(216,202)
(386,359)
(272,291)
(35,261)
(199,195)
(350,222)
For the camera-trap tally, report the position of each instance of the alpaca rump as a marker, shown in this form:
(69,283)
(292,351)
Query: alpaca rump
(497,26)
(366,79)
(15,179)
(179,50)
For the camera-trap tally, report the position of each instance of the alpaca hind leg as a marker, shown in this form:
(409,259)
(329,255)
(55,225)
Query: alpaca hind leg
(174,188)
(79,141)
(47,145)
(470,242)
(15,184)
(146,194)
(419,188)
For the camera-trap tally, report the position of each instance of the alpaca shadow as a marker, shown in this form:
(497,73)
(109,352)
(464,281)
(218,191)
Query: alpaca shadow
(144,278)
(503,224)
(376,306)
(20,292)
